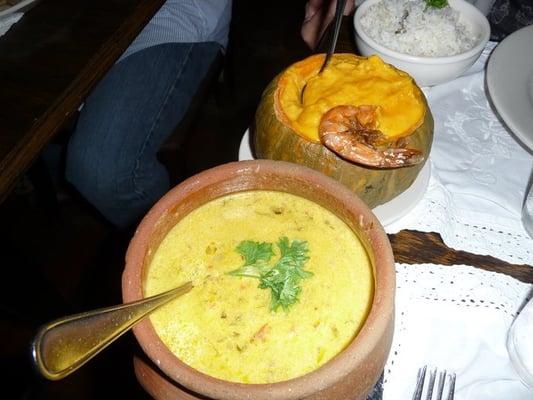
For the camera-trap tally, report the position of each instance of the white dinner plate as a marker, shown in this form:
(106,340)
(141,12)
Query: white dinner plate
(510,83)
(20,6)
(386,213)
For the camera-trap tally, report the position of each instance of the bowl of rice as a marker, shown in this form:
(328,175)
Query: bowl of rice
(434,41)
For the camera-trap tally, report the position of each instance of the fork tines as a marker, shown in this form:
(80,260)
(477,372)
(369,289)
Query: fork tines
(421,377)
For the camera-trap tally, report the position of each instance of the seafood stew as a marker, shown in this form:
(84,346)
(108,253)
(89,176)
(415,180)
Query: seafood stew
(360,108)
(228,326)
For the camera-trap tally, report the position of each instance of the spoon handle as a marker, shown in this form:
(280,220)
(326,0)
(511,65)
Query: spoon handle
(339,10)
(62,346)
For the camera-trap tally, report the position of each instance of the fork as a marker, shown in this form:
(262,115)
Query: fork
(417,395)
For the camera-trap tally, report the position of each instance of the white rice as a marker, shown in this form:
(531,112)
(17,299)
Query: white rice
(411,27)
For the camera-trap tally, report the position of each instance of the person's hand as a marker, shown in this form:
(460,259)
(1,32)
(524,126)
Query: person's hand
(318,15)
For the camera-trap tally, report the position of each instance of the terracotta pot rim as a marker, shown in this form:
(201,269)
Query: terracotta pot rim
(330,373)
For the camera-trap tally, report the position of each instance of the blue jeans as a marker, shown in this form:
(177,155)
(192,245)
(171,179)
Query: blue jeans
(112,155)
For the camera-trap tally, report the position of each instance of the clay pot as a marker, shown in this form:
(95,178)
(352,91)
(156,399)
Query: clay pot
(349,375)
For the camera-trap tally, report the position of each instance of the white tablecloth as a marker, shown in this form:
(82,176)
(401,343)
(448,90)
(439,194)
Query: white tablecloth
(457,317)
(479,174)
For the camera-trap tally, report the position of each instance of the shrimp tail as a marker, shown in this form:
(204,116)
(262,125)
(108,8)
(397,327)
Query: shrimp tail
(351,133)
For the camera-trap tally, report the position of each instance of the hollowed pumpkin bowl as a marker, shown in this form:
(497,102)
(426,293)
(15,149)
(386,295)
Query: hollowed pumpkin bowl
(276,136)
(349,375)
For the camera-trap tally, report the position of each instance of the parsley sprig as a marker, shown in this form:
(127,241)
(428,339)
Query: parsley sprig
(284,277)
(437,3)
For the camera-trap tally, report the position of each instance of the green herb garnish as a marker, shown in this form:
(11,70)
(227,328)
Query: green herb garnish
(437,3)
(283,279)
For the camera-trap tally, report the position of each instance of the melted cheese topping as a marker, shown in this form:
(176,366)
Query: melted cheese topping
(224,326)
(349,80)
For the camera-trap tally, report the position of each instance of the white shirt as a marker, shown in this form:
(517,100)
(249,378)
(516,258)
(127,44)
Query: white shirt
(186,21)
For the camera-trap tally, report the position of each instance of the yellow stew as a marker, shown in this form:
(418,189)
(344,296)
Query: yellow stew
(349,80)
(225,326)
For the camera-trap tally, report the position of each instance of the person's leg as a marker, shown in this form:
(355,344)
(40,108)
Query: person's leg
(111,157)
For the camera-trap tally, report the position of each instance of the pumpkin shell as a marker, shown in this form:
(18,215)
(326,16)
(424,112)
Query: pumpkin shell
(272,139)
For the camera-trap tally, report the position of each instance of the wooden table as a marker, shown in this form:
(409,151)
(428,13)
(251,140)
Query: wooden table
(49,61)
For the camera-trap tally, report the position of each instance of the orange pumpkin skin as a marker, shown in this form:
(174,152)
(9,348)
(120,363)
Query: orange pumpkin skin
(273,139)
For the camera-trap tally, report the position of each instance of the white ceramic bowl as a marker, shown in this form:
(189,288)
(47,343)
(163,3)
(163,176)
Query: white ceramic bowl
(428,71)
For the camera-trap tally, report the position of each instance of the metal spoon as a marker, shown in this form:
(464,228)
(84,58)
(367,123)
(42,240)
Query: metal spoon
(339,10)
(331,34)
(64,345)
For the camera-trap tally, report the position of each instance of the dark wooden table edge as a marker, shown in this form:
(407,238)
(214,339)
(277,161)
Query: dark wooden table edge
(13,165)
(415,247)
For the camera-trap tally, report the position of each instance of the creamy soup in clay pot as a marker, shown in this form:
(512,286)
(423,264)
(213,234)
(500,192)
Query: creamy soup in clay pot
(247,319)
(293,287)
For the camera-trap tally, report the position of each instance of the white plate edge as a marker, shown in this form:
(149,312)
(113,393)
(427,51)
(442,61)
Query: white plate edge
(523,131)
(386,213)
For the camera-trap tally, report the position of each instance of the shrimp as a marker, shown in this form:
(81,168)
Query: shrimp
(351,132)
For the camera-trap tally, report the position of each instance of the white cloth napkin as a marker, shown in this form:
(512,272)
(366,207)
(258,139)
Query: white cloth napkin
(479,174)
(455,318)
(7,21)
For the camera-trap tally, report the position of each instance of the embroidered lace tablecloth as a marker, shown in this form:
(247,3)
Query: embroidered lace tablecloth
(455,317)
(479,173)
